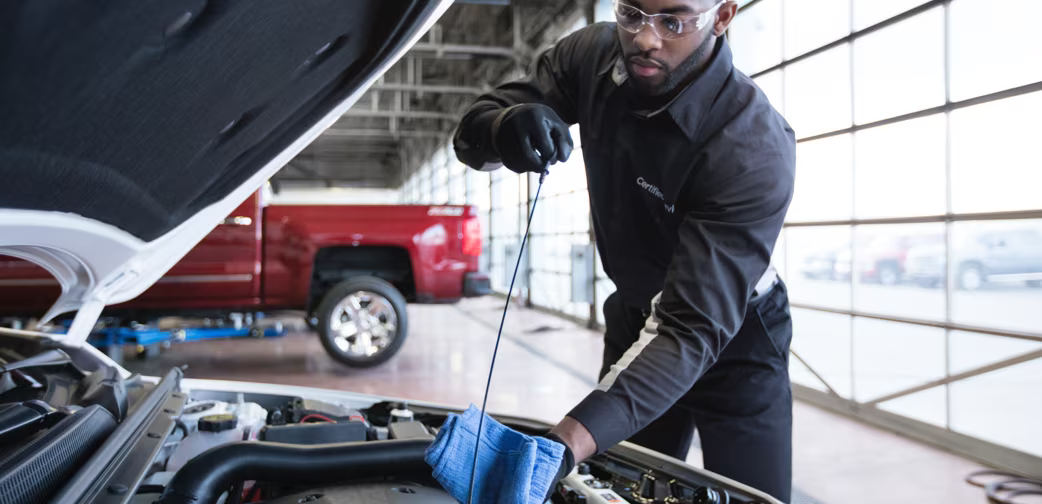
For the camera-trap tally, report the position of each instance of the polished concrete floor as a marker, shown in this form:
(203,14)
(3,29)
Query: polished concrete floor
(545,366)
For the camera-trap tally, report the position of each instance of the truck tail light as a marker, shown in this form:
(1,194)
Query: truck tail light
(471,236)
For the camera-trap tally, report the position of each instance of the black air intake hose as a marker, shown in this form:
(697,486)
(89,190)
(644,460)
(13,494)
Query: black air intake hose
(34,471)
(203,479)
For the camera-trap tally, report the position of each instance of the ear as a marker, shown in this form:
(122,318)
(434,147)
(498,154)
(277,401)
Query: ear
(724,16)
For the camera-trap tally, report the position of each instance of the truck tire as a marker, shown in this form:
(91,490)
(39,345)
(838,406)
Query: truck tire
(362,321)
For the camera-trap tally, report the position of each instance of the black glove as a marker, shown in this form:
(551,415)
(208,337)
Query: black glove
(528,136)
(567,463)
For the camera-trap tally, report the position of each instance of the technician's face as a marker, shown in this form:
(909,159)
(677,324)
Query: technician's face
(663,41)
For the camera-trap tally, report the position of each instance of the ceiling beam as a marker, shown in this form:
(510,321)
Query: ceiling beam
(339,178)
(441,50)
(427,88)
(341,132)
(401,114)
(339,145)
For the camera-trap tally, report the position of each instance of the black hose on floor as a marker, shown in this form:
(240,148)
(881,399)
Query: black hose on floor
(203,479)
(1007,487)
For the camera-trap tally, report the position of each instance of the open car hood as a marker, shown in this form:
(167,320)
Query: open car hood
(132,128)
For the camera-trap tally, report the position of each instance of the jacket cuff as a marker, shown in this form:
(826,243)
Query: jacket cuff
(604,417)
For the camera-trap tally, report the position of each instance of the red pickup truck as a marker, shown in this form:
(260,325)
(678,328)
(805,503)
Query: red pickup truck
(351,268)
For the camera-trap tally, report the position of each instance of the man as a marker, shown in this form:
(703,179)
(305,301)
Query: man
(690,174)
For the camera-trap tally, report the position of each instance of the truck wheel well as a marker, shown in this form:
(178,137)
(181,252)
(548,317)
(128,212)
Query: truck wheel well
(336,264)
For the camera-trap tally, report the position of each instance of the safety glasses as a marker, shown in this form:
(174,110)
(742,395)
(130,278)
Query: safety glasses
(666,26)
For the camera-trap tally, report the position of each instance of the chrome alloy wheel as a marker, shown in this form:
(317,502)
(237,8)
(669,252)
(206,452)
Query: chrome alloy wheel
(363,324)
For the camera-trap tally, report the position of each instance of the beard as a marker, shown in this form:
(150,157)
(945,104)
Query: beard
(674,77)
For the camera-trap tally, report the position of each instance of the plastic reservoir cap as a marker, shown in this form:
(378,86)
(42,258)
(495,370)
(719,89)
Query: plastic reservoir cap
(218,423)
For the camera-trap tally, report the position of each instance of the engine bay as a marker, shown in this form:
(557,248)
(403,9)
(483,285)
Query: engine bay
(69,433)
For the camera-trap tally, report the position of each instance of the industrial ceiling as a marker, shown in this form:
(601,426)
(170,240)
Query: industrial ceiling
(413,109)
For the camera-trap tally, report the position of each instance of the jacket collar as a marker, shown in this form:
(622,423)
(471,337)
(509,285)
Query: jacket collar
(689,107)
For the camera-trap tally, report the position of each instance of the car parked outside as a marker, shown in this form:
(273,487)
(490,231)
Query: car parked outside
(883,258)
(993,257)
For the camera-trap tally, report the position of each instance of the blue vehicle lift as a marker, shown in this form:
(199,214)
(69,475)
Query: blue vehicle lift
(149,338)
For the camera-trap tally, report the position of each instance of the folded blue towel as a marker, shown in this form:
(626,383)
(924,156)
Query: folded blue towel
(512,468)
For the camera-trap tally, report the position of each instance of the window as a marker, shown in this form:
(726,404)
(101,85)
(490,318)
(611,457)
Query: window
(890,357)
(997,272)
(870,12)
(440,178)
(824,174)
(900,69)
(817,93)
(561,227)
(822,340)
(997,407)
(887,259)
(810,24)
(772,84)
(994,49)
(819,265)
(900,169)
(457,173)
(505,236)
(916,222)
(778,258)
(756,37)
(992,406)
(928,406)
(995,162)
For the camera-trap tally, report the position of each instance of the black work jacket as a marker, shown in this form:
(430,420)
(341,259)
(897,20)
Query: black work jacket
(687,200)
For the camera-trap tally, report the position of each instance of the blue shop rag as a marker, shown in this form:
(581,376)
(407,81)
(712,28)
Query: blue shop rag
(513,468)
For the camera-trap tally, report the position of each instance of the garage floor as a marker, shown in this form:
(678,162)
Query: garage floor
(545,366)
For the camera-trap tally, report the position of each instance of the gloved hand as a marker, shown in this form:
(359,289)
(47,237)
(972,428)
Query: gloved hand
(529,136)
(567,463)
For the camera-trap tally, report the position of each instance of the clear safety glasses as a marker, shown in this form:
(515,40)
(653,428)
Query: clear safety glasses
(666,26)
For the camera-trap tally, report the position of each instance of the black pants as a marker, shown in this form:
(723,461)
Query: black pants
(742,406)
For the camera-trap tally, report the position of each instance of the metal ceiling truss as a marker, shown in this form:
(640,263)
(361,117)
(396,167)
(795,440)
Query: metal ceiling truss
(413,110)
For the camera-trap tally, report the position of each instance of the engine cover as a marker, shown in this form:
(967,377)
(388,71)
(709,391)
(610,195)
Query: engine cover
(369,493)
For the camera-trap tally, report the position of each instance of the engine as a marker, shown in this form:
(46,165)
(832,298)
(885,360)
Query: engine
(382,461)
(299,442)
(71,434)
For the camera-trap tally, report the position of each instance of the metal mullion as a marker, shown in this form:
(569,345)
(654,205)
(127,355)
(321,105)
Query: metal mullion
(853,208)
(925,219)
(781,32)
(948,107)
(949,209)
(815,373)
(1022,335)
(1013,361)
(850,38)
